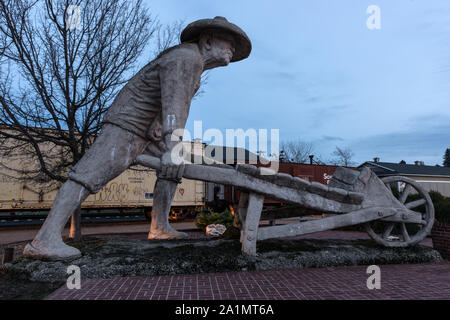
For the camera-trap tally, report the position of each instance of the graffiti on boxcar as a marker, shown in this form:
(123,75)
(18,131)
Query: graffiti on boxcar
(5,178)
(113,192)
(138,191)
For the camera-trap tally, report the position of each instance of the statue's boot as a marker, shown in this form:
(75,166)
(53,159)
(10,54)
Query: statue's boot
(165,234)
(48,242)
(60,251)
(163,197)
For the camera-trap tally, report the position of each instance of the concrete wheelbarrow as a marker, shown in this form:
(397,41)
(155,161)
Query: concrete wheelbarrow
(351,197)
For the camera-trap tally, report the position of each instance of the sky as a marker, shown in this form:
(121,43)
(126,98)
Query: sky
(318,74)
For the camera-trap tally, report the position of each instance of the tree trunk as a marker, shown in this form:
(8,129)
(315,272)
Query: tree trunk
(75,225)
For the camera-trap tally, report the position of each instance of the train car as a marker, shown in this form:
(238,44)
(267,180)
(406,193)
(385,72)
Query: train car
(310,172)
(226,195)
(130,190)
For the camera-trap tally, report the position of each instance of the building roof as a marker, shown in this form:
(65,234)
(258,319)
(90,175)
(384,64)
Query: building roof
(232,155)
(388,168)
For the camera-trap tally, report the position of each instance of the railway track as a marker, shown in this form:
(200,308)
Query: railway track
(18,220)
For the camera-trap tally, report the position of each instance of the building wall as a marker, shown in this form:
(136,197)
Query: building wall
(440,184)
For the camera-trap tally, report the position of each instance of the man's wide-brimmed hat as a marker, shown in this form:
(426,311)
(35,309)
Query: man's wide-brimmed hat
(243,46)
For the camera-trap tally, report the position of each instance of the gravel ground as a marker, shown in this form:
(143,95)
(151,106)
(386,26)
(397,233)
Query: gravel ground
(116,256)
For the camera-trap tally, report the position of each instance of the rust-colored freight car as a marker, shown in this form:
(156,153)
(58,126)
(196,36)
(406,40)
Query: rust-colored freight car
(310,172)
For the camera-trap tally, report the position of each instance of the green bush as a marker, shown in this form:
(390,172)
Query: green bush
(441,206)
(205,217)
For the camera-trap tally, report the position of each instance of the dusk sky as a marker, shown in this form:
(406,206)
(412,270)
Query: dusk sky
(318,74)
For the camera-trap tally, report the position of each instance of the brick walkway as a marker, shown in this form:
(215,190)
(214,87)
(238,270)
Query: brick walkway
(420,281)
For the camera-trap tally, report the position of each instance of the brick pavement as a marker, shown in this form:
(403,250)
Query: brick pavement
(419,281)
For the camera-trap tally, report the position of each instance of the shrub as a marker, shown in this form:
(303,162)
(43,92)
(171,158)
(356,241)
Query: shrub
(441,206)
(206,217)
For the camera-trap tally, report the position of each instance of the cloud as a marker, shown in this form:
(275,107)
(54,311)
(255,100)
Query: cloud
(335,84)
(427,142)
(330,138)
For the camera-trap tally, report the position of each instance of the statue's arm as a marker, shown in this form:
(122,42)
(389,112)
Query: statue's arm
(178,78)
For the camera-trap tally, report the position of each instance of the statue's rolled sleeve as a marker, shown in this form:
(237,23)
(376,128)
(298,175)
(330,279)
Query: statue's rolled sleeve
(179,80)
(179,77)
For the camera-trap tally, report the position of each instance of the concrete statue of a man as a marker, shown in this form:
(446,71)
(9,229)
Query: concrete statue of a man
(144,118)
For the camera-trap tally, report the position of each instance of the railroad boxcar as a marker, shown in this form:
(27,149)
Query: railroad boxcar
(310,172)
(130,190)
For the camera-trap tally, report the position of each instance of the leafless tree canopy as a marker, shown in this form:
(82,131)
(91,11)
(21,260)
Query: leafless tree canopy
(342,157)
(168,36)
(59,71)
(296,151)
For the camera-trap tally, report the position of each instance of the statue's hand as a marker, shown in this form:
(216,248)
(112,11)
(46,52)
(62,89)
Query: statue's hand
(170,170)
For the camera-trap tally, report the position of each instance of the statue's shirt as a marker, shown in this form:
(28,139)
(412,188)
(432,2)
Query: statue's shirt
(173,77)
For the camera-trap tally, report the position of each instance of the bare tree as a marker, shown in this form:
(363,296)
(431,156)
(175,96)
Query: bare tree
(342,157)
(65,63)
(168,36)
(296,151)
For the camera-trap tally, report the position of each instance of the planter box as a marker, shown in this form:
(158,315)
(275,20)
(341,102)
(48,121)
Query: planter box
(441,238)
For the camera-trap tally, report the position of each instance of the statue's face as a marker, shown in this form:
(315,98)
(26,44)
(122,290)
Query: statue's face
(222,50)
(219,49)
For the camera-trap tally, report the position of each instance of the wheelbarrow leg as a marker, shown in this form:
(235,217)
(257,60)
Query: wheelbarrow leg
(239,219)
(251,222)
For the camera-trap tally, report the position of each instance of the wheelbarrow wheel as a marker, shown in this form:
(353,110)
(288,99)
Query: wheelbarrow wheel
(401,234)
